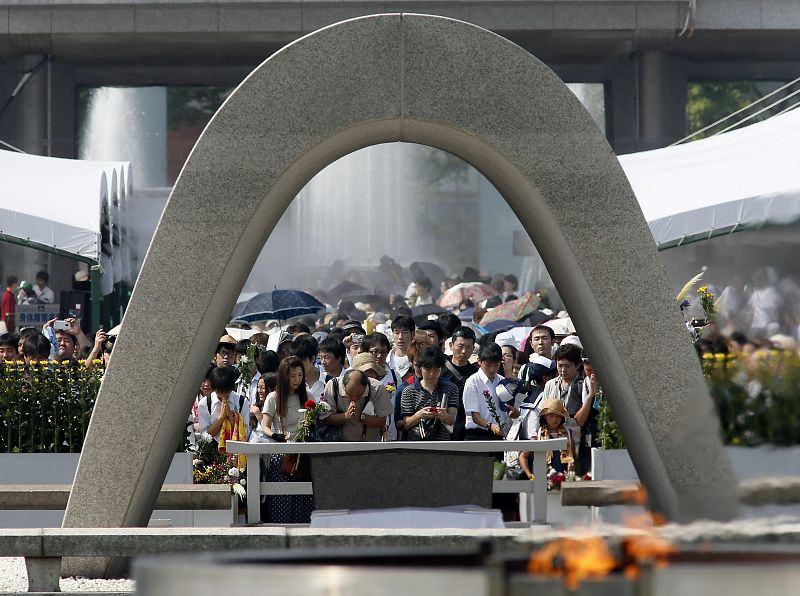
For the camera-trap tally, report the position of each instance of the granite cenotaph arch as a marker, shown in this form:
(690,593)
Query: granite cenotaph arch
(438,82)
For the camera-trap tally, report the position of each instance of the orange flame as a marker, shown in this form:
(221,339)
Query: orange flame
(644,520)
(574,559)
(648,549)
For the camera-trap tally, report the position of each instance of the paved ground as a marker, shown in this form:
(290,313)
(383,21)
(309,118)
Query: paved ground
(14,578)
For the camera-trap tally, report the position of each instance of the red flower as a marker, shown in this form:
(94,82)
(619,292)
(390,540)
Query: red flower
(485,393)
(587,476)
(310,404)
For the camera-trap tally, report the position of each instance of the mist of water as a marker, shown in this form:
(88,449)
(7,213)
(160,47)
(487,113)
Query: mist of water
(370,203)
(382,200)
(128,124)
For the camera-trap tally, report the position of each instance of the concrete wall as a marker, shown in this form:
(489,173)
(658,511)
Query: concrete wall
(59,468)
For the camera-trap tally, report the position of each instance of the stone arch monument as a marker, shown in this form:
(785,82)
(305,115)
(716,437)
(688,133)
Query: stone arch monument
(443,83)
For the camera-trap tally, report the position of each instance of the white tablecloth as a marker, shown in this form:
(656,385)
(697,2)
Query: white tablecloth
(467,516)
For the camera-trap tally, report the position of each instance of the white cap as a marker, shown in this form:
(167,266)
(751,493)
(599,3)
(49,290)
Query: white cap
(571,340)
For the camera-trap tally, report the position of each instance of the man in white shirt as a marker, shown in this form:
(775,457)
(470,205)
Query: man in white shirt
(403,328)
(223,404)
(43,293)
(479,391)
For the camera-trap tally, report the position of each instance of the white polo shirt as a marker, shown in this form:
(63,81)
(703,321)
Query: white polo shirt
(204,417)
(474,400)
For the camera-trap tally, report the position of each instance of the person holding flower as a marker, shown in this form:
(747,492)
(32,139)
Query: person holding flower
(279,422)
(486,419)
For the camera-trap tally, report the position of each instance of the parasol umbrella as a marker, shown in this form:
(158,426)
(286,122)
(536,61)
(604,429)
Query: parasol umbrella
(346,288)
(561,326)
(513,310)
(376,300)
(466,314)
(514,337)
(240,334)
(479,331)
(279,304)
(499,325)
(475,291)
(420,313)
(537,317)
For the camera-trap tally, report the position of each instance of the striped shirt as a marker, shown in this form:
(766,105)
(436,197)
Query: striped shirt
(415,397)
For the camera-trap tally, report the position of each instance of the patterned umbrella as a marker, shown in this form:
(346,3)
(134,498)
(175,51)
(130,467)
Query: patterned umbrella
(513,310)
(279,304)
(475,291)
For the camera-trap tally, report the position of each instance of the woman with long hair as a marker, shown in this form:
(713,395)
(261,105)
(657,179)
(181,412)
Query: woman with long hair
(279,421)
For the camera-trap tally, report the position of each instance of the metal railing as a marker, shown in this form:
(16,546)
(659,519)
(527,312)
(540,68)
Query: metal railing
(537,493)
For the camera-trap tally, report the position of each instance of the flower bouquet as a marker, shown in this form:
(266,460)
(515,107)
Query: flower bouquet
(307,426)
(210,466)
(555,479)
(306,431)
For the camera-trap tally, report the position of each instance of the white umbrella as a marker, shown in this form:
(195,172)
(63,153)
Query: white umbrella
(240,334)
(561,326)
(513,337)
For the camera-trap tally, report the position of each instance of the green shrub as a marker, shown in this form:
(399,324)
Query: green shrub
(757,400)
(45,407)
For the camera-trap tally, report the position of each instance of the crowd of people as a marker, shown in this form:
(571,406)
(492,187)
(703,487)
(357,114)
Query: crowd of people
(436,381)
(385,373)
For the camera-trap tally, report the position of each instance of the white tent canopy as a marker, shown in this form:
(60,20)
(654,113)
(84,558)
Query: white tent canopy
(65,204)
(740,179)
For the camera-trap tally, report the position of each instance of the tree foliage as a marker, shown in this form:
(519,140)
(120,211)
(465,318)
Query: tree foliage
(709,101)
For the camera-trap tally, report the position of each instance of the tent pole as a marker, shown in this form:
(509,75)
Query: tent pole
(96,278)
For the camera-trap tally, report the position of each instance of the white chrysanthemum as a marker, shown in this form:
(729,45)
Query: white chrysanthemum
(234,471)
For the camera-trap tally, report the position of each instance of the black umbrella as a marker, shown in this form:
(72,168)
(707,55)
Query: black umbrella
(346,288)
(500,325)
(537,317)
(279,304)
(420,313)
(374,299)
(430,270)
